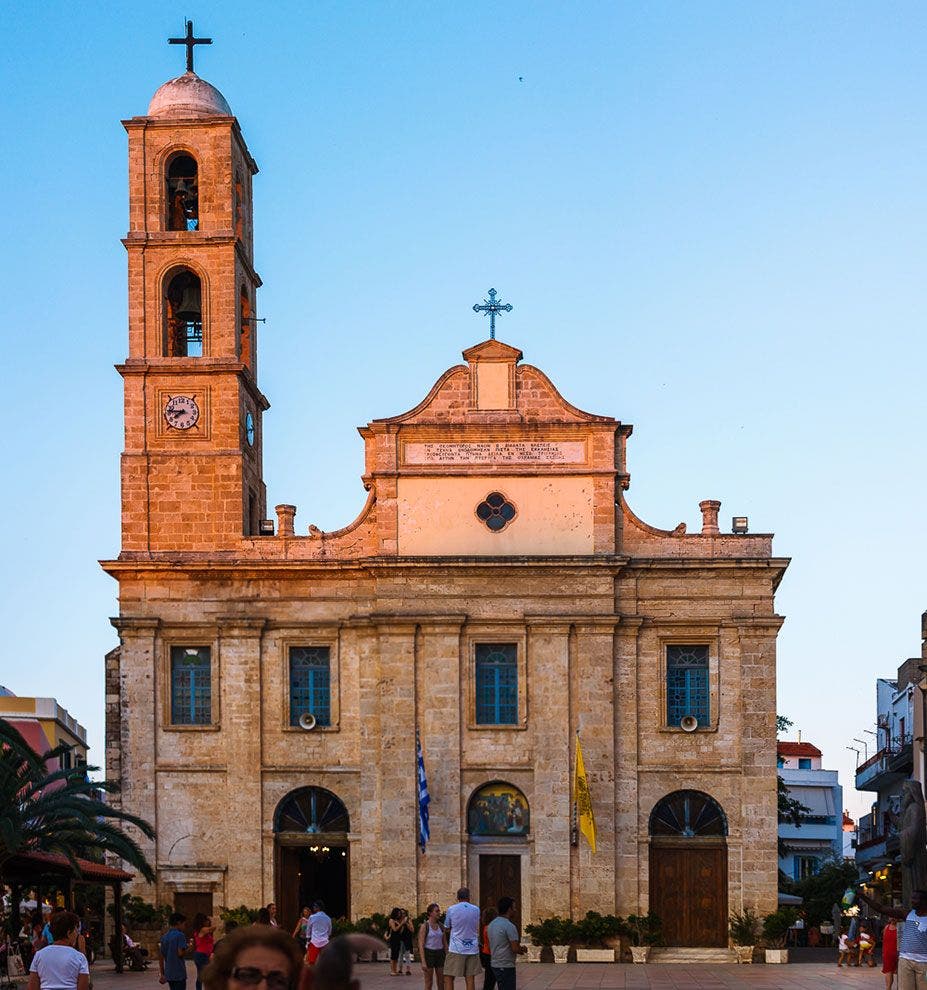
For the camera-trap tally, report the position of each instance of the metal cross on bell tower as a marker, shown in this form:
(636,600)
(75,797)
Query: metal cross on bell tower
(189,41)
(492,307)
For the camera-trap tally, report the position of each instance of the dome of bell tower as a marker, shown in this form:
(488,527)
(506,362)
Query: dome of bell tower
(188,96)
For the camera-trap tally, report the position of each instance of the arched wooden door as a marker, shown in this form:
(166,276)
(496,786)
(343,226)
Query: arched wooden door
(312,856)
(688,870)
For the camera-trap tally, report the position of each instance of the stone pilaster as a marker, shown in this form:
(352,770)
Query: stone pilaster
(628,892)
(138,718)
(439,712)
(240,684)
(592,663)
(549,717)
(758,776)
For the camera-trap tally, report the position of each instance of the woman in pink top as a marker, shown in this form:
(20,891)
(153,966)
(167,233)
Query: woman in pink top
(203,944)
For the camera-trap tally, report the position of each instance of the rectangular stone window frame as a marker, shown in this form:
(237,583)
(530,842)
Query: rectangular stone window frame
(695,636)
(315,637)
(515,635)
(188,637)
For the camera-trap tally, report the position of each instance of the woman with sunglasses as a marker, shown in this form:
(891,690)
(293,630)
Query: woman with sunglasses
(258,957)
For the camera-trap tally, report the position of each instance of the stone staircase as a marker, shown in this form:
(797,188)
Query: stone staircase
(708,956)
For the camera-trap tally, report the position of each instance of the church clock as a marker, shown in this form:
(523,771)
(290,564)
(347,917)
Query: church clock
(181,412)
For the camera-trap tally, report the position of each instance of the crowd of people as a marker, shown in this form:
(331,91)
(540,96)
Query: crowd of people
(460,943)
(463,943)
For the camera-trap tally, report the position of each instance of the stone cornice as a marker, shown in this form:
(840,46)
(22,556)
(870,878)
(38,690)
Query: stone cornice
(240,626)
(713,563)
(235,563)
(585,622)
(134,624)
(195,366)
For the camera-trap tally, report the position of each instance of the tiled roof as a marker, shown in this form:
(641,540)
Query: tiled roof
(797,749)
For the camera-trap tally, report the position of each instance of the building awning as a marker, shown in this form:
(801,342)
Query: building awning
(32,865)
(31,730)
(810,845)
(818,800)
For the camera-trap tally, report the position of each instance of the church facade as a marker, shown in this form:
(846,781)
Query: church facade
(495,597)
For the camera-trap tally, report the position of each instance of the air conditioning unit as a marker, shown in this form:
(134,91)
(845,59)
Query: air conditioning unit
(688,723)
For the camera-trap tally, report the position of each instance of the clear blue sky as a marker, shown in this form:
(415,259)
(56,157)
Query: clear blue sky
(709,217)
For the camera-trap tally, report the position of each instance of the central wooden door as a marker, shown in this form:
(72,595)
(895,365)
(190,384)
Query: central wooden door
(500,876)
(688,892)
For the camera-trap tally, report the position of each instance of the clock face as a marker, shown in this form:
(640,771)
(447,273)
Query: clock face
(249,429)
(181,412)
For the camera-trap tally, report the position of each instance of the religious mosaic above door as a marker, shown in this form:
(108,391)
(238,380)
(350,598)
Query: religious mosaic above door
(498,809)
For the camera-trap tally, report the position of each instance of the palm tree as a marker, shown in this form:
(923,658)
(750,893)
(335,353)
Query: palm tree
(60,811)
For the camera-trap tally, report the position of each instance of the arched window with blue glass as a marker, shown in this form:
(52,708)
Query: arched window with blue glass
(687,689)
(496,684)
(310,684)
(191,685)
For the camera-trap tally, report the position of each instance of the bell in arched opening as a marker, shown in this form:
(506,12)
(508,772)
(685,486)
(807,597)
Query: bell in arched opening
(184,312)
(182,194)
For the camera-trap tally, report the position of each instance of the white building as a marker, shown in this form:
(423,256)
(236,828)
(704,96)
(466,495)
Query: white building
(819,837)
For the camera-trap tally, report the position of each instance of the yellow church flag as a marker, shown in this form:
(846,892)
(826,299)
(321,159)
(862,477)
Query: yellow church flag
(582,799)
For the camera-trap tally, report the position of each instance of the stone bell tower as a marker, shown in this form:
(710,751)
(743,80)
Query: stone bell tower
(191,468)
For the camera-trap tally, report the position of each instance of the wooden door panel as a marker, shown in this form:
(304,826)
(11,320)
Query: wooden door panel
(500,876)
(688,892)
(192,904)
(668,883)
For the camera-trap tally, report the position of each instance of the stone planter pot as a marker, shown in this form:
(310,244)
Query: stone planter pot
(777,955)
(640,953)
(560,953)
(595,955)
(534,953)
(744,953)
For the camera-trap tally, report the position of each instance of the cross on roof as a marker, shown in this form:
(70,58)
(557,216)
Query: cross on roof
(189,41)
(492,307)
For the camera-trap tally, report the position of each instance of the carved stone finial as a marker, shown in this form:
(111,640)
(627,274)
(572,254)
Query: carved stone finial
(286,516)
(680,530)
(710,508)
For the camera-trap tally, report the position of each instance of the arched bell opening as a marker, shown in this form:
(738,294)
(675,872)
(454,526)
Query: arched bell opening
(312,856)
(183,314)
(688,869)
(183,205)
(245,328)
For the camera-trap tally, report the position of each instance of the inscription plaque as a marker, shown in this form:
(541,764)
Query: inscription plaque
(497,452)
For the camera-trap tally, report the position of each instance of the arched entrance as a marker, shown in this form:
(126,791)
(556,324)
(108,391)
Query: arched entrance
(498,820)
(688,869)
(312,858)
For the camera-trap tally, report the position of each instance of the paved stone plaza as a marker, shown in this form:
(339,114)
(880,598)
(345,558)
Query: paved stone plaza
(588,976)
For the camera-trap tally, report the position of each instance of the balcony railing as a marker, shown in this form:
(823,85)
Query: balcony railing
(894,759)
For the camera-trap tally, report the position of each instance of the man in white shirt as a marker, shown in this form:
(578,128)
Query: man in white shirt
(318,931)
(462,922)
(60,966)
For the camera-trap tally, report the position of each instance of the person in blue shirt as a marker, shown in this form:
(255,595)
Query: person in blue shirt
(172,946)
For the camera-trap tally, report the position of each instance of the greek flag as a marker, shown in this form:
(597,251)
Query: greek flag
(423,799)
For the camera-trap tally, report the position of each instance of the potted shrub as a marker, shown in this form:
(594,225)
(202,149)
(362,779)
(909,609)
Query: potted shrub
(551,933)
(644,932)
(775,931)
(744,929)
(599,933)
(375,925)
(565,932)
